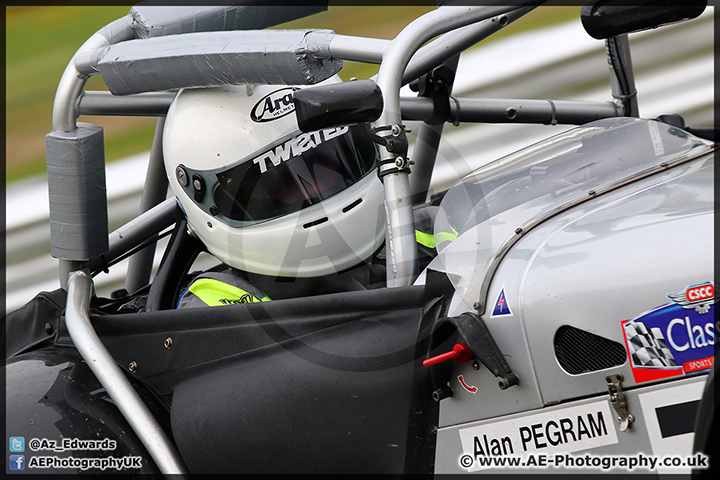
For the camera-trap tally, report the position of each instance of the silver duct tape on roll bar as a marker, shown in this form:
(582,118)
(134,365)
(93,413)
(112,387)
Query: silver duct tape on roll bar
(208,59)
(76,193)
(151,21)
(145,21)
(91,241)
(157,21)
(97,357)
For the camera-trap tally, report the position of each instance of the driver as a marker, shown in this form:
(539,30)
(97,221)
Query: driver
(288,213)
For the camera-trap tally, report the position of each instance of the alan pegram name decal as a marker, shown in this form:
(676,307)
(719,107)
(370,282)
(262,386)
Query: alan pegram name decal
(557,431)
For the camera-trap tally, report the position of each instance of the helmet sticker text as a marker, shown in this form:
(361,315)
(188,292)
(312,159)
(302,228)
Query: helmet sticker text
(296,146)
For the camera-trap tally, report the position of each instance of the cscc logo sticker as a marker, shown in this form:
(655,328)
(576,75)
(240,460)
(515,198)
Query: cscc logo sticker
(674,339)
(698,297)
(273,106)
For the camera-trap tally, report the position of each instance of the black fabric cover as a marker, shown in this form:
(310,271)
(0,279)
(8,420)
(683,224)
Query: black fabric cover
(325,384)
(34,323)
(339,402)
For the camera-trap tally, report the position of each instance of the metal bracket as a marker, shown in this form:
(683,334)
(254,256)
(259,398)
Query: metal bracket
(474,333)
(618,401)
(396,143)
(436,85)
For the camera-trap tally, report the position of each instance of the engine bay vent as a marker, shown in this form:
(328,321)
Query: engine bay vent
(579,351)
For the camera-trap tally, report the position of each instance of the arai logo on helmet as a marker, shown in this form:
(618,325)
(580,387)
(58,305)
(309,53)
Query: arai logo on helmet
(273,105)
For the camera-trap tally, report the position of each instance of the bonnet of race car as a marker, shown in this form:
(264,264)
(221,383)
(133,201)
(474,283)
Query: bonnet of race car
(482,213)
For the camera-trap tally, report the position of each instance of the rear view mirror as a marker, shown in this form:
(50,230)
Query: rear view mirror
(606,18)
(338,104)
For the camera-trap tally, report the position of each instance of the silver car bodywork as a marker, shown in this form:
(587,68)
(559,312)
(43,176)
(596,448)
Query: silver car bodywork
(560,295)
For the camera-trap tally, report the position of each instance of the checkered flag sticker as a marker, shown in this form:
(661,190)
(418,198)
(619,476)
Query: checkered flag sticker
(647,348)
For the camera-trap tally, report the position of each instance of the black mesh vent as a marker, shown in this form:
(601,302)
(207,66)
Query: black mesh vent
(579,351)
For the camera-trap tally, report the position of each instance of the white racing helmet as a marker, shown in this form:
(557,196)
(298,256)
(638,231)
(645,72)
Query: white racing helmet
(265,197)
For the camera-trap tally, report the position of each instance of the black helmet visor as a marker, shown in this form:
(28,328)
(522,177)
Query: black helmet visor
(293,174)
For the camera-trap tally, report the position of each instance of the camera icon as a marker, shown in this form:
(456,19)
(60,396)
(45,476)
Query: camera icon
(17,444)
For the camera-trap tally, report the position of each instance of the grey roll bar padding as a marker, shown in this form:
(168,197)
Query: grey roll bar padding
(152,21)
(157,21)
(145,21)
(400,241)
(210,59)
(64,122)
(102,364)
(76,193)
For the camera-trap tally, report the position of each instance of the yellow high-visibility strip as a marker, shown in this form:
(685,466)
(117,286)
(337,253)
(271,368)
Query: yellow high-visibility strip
(425,239)
(441,237)
(214,293)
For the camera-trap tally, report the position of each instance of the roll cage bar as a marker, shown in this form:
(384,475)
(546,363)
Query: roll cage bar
(401,61)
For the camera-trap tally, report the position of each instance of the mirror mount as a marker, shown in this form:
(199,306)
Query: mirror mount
(327,106)
(603,19)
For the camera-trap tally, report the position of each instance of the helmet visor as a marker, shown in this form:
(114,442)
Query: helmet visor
(294,174)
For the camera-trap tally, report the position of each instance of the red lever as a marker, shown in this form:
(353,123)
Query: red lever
(460,353)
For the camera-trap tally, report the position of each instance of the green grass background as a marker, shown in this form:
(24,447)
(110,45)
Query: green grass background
(40,40)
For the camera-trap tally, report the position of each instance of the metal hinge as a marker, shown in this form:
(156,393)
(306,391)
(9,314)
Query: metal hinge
(618,402)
